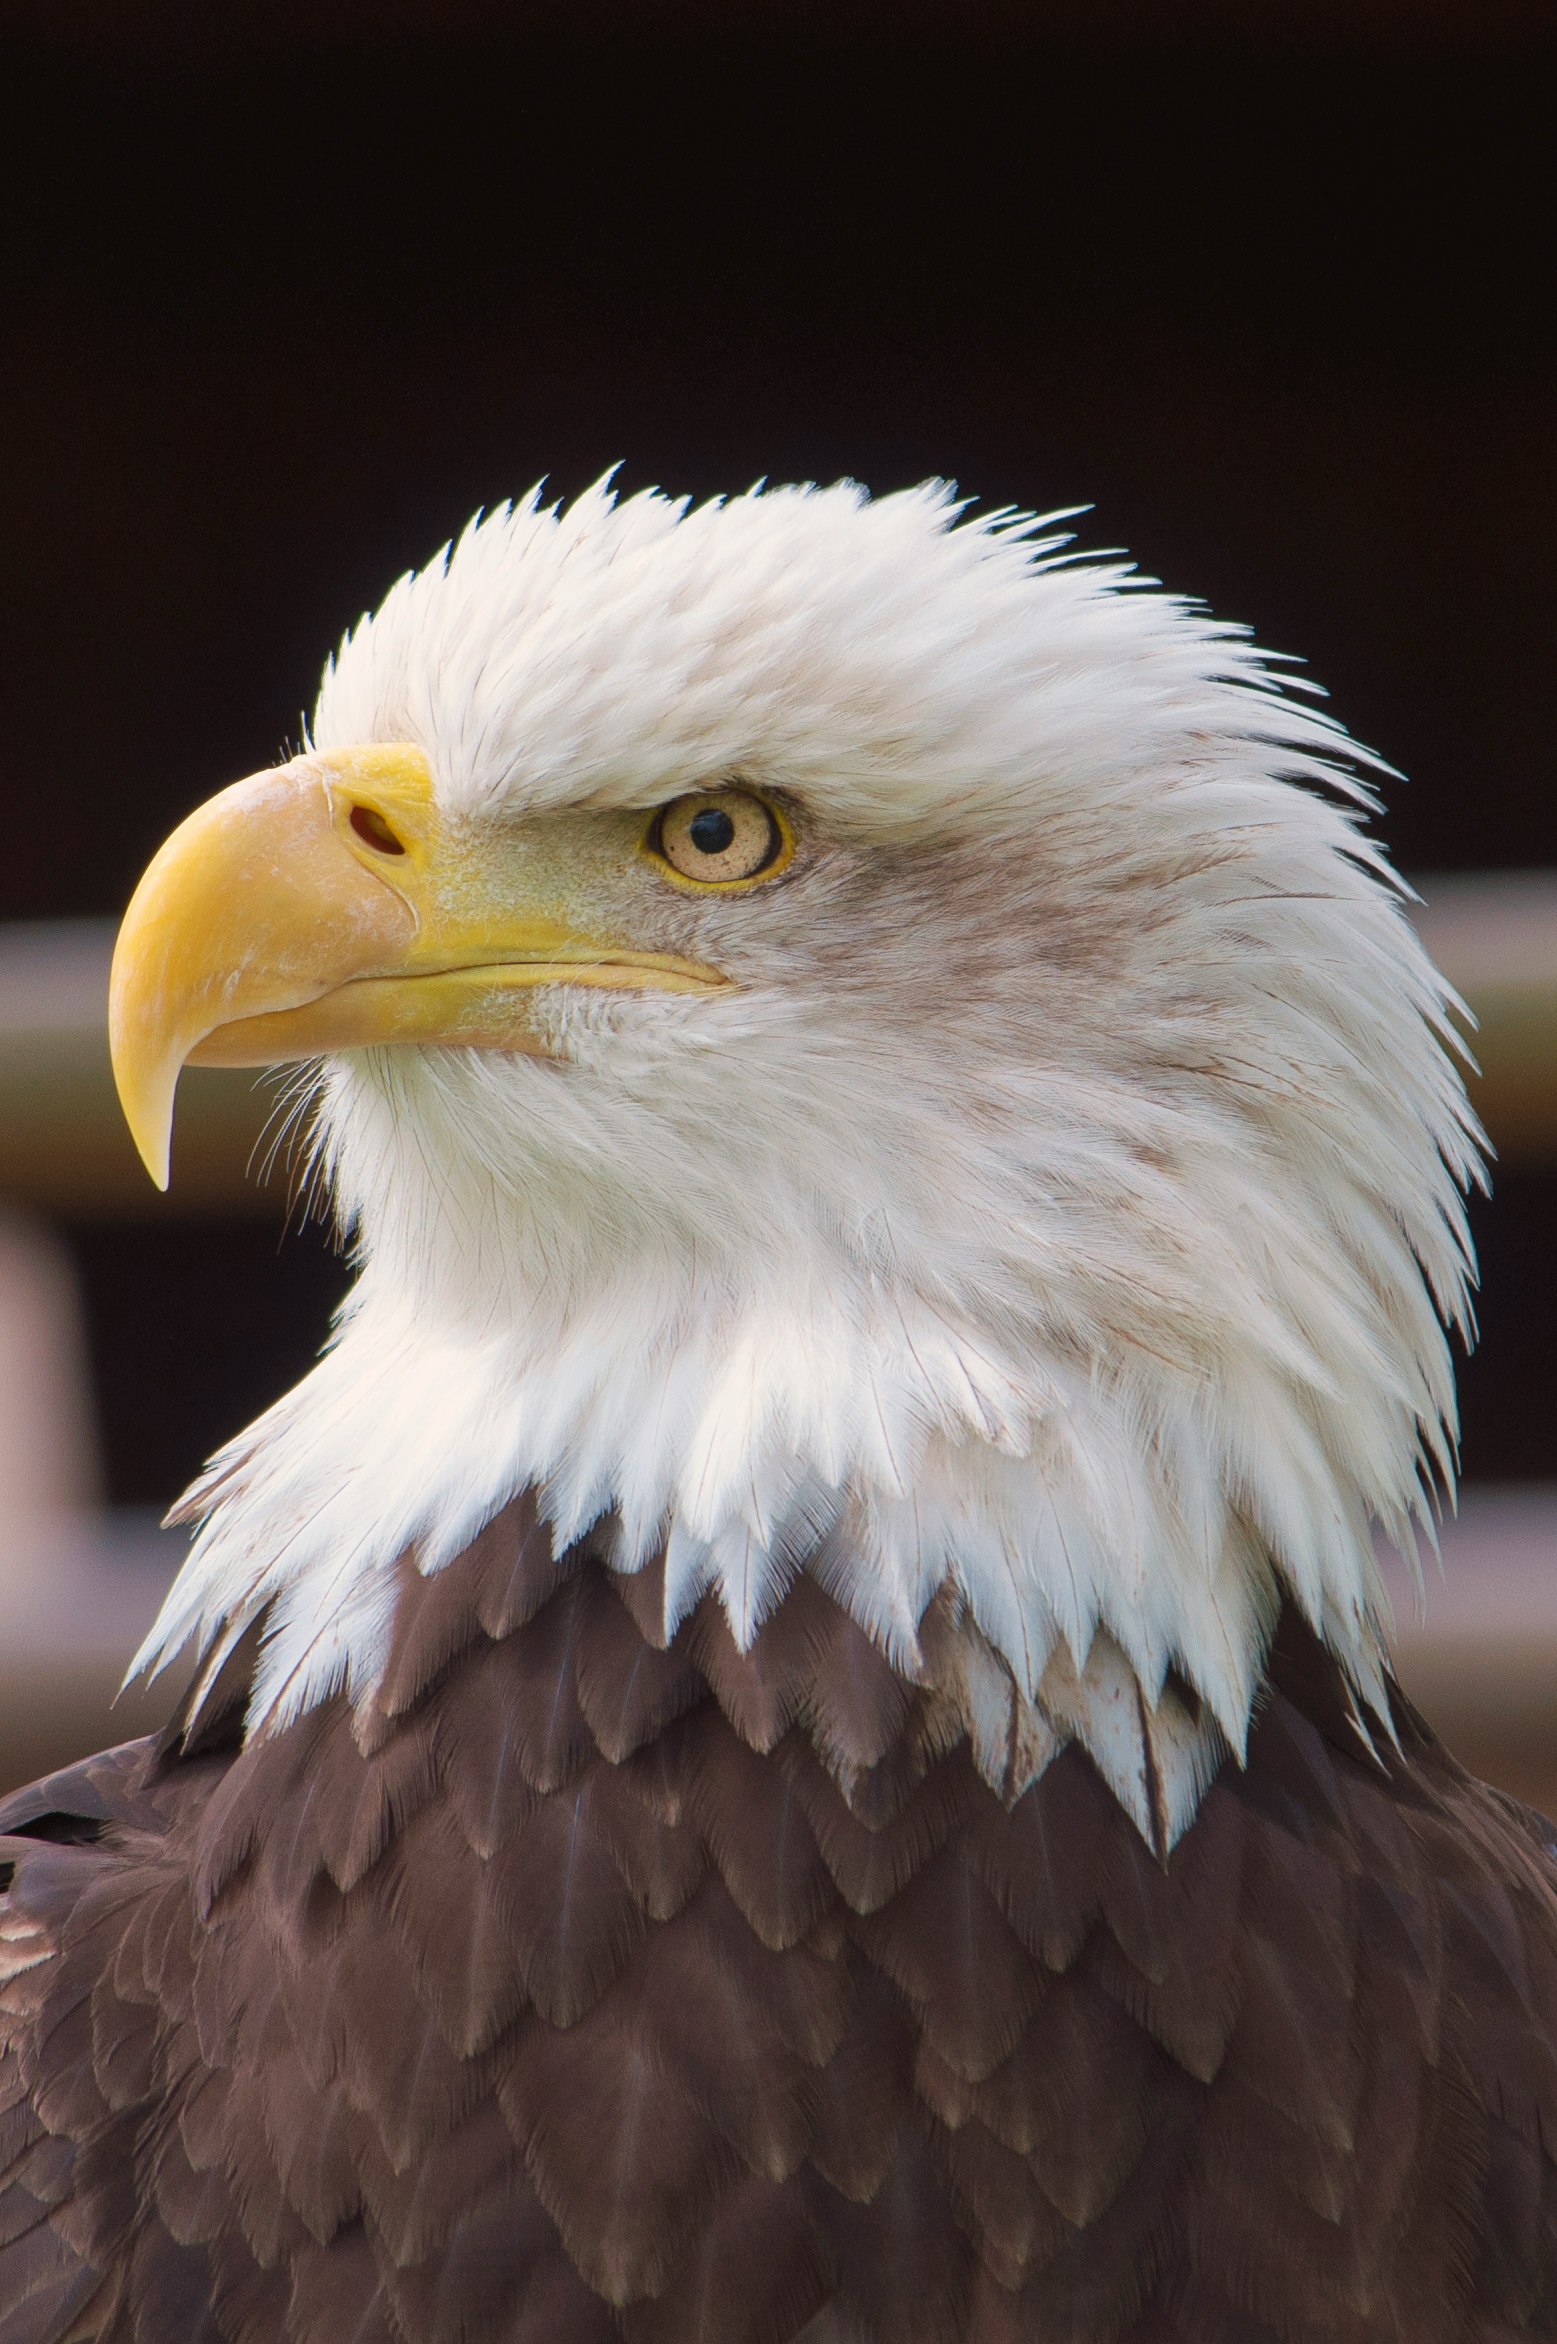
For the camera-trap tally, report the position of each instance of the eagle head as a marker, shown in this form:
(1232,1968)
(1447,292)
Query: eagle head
(846,1040)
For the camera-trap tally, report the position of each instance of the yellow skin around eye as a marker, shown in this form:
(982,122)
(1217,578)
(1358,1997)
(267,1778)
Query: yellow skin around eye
(748,861)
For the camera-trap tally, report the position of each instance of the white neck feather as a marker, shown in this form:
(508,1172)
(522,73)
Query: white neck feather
(1120,1472)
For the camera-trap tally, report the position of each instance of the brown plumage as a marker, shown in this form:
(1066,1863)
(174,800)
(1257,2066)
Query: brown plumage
(581,1990)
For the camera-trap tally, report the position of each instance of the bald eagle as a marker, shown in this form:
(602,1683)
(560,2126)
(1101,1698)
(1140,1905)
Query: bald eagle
(790,1739)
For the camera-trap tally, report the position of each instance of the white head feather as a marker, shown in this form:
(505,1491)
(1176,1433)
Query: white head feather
(1064,1206)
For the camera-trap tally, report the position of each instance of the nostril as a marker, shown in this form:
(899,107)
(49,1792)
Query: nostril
(374,831)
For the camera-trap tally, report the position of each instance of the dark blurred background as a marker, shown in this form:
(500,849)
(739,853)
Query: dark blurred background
(288,293)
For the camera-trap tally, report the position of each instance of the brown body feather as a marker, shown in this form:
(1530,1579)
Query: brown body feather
(580,1991)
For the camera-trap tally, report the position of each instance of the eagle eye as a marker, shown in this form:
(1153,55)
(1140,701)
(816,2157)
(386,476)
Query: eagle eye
(721,838)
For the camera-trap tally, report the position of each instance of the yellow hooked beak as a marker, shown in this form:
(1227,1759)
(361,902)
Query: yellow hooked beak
(328,905)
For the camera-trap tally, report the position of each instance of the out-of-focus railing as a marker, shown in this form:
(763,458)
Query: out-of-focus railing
(1495,938)
(63,1141)
(63,1144)
(78,1591)
(1476,1638)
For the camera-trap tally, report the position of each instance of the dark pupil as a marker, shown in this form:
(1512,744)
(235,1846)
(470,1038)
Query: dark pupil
(711,831)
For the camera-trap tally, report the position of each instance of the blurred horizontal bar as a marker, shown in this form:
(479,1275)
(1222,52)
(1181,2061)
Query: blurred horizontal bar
(63,1141)
(77,1594)
(1494,936)
(1476,1638)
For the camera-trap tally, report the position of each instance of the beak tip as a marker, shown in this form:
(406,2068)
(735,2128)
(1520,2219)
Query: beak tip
(145,1071)
(155,1148)
(147,1107)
